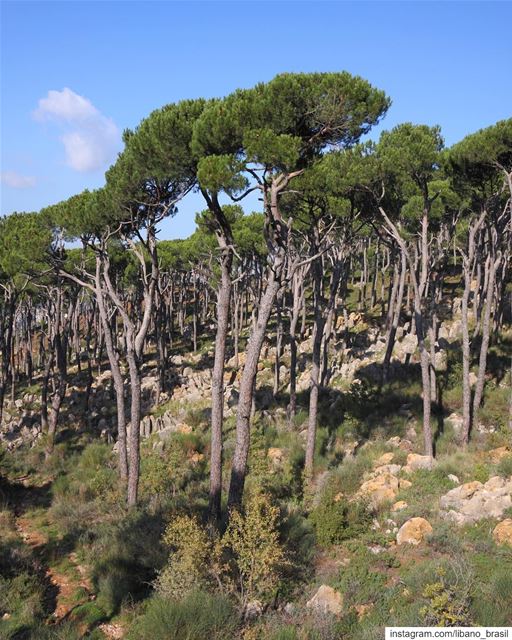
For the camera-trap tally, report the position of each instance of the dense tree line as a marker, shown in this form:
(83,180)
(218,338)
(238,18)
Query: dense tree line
(391,219)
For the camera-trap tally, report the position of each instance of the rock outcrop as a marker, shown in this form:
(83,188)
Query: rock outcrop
(474,501)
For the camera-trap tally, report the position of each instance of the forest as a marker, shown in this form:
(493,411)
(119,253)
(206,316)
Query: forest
(295,424)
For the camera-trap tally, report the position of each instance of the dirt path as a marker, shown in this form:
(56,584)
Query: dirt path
(71,588)
(69,584)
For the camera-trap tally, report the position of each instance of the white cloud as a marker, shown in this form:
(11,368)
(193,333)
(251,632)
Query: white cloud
(91,140)
(65,105)
(17,181)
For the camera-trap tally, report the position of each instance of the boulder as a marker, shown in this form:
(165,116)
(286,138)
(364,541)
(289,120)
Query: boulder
(473,501)
(455,497)
(385,458)
(393,469)
(502,532)
(380,488)
(415,461)
(413,531)
(326,600)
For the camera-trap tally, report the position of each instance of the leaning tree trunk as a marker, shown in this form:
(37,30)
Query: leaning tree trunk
(395,310)
(247,383)
(116,376)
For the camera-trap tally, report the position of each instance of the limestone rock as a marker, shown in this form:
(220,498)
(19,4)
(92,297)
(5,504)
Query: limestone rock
(456,496)
(473,501)
(416,461)
(496,455)
(385,458)
(398,506)
(393,469)
(326,600)
(502,532)
(380,488)
(413,531)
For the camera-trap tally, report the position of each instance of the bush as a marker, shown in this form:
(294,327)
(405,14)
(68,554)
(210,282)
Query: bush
(170,472)
(198,616)
(360,584)
(504,468)
(336,519)
(92,476)
(188,566)
(253,539)
(447,604)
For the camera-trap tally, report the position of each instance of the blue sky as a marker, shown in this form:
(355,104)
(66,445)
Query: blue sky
(75,74)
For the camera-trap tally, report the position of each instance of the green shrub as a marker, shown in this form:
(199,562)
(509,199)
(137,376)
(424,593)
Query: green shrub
(481,472)
(298,533)
(253,539)
(447,604)
(89,613)
(446,538)
(92,475)
(188,566)
(360,584)
(287,632)
(504,468)
(199,616)
(336,519)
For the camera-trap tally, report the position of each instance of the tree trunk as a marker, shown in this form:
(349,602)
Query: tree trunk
(239,466)
(486,326)
(395,314)
(134,450)
(223,300)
